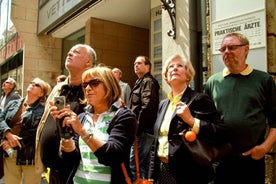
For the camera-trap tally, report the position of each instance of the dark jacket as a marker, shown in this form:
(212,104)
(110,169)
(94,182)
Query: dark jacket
(183,168)
(144,102)
(31,118)
(121,132)
(48,137)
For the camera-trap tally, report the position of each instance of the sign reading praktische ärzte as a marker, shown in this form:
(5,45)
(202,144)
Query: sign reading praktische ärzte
(251,24)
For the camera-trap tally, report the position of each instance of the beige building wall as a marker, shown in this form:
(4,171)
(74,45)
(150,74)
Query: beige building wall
(271,36)
(117,45)
(271,63)
(41,54)
(180,45)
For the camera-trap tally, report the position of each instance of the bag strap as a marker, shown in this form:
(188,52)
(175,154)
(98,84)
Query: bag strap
(16,117)
(135,147)
(192,99)
(127,178)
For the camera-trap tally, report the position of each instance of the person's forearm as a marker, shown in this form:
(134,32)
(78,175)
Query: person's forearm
(270,139)
(92,141)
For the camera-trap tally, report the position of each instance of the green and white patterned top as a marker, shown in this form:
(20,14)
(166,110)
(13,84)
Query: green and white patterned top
(90,170)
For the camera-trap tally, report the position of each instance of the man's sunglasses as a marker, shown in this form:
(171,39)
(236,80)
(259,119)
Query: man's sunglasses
(92,83)
(35,84)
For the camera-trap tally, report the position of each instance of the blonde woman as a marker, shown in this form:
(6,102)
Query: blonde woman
(18,124)
(174,164)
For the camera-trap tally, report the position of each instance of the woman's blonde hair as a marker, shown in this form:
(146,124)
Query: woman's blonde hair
(104,73)
(188,65)
(45,87)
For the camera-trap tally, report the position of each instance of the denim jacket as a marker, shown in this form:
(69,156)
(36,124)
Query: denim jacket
(31,118)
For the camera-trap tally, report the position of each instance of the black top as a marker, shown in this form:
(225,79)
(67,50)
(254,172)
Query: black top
(50,138)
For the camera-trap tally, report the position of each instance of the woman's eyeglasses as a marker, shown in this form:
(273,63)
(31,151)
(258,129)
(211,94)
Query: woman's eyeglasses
(231,47)
(92,83)
(35,84)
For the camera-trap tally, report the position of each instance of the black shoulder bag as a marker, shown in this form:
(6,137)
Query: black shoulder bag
(203,152)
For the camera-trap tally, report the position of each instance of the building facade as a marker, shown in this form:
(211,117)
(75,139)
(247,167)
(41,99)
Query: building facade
(121,30)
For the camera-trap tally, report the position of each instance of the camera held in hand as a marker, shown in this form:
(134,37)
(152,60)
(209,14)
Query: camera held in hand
(65,132)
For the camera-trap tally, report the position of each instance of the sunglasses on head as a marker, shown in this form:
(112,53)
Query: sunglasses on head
(92,83)
(35,84)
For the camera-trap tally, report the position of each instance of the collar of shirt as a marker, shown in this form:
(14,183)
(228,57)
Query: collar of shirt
(246,71)
(114,107)
(177,98)
(163,147)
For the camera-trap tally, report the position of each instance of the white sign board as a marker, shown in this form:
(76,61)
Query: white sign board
(251,24)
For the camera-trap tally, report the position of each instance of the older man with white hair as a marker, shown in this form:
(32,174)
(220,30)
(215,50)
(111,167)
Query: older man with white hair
(9,93)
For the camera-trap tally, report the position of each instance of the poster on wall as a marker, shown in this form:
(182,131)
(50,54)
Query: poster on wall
(251,24)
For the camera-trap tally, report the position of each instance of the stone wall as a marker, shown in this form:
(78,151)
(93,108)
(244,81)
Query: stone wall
(42,54)
(271,59)
(117,45)
(271,36)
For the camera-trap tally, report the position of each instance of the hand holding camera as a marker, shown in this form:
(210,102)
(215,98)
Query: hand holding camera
(66,132)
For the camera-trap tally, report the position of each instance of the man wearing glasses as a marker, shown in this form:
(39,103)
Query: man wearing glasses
(9,93)
(246,98)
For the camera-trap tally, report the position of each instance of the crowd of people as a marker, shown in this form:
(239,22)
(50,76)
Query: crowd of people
(91,135)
